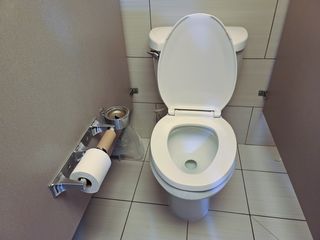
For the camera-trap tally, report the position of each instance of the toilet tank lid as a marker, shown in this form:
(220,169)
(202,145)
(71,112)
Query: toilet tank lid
(159,35)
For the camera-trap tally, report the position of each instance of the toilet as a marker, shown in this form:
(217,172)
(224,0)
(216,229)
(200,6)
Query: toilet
(193,149)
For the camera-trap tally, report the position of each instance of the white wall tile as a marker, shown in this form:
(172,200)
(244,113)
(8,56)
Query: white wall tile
(136,26)
(142,76)
(255,15)
(259,132)
(239,118)
(277,28)
(253,76)
(143,118)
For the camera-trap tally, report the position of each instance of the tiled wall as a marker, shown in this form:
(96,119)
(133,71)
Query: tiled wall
(262,18)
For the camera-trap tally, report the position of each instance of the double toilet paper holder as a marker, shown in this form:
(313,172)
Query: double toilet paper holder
(116,117)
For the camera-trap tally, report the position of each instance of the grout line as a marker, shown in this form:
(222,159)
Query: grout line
(246,58)
(274,16)
(150,18)
(125,223)
(252,228)
(187,230)
(238,152)
(139,57)
(223,211)
(257,58)
(150,203)
(281,218)
(230,105)
(248,129)
(112,199)
(249,144)
(135,189)
(247,200)
(262,171)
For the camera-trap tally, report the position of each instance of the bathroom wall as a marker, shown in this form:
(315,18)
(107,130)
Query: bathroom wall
(262,18)
(60,62)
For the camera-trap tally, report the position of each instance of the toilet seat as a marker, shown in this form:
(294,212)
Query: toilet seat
(197,73)
(214,174)
(197,68)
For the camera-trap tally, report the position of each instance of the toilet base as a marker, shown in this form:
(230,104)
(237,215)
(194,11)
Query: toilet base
(191,210)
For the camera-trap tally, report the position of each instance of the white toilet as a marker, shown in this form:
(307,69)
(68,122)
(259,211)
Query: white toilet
(193,148)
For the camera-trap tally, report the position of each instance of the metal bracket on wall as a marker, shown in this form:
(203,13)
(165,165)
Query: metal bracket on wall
(116,117)
(263,93)
(62,182)
(133,91)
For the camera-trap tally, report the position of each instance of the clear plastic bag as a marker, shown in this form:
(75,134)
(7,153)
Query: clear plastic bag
(129,146)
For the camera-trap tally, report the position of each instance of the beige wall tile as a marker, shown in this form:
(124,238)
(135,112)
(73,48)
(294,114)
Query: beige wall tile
(277,28)
(143,118)
(239,118)
(259,133)
(136,24)
(142,76)
(255,15)
(253,76)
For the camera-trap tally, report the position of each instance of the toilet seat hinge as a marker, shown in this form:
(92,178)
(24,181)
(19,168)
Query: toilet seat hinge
(171,111)
(214,114)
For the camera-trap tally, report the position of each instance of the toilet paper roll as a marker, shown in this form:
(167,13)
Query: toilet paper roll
(93,166)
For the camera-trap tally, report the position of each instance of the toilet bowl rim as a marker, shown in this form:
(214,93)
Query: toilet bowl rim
(190,195)
(217,170)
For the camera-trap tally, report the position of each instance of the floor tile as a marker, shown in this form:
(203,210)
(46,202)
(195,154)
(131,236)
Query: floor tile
(238,165)
(221,226)
(271,194)
(272,228)
(148,221)
(261,158)
(232,197)
(121,180)
(148,155)
(148,189)
(103,219)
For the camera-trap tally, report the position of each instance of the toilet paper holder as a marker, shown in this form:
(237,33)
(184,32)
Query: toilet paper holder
(61,181)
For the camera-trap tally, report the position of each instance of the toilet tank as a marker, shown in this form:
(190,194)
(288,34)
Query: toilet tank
(158,37)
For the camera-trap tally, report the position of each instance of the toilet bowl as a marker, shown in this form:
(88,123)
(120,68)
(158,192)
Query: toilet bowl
(193,148)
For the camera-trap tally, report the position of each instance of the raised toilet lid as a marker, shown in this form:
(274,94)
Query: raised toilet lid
(197,69)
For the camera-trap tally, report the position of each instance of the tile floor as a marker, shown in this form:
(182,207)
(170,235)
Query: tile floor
(257,203)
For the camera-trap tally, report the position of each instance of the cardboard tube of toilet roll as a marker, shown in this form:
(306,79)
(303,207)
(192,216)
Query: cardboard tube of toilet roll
(107,140)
